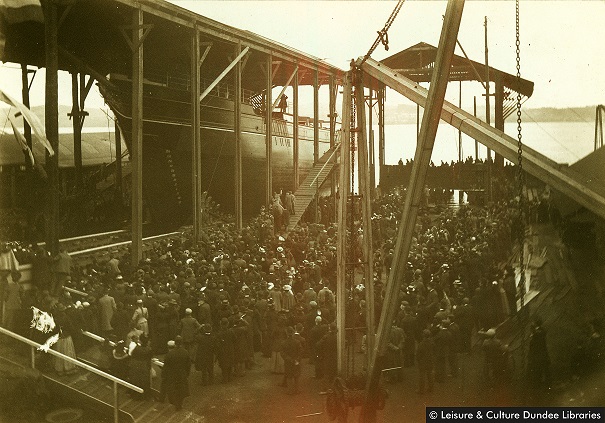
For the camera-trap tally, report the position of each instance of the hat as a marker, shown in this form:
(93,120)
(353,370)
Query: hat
(313,303)
(171,344)
(318,319)
(188,311)
(491,332)
(287,288)
(139,301)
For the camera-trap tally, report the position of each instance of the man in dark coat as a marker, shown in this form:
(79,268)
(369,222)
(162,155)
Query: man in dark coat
(206,348)
(175,374)
(225,349)
(538,361)
(425,358)
(292,355)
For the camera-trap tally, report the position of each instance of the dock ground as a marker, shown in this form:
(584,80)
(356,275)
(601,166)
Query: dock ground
(570,285)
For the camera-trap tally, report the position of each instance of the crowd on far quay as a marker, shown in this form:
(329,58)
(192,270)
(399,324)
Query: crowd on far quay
(239,296)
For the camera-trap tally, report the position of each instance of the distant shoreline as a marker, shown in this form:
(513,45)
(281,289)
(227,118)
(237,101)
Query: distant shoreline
(406,114)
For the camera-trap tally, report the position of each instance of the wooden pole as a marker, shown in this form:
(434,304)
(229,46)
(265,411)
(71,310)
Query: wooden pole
(196,153)
(332,116)
(29,179)
(422,158)
(487,116)
(238,139)
(381,140)
(365,190)
(118,173)
(269,130)
(476,142)
(136,153)
(77,129)
(372,161)
(341,251)
(316,116)
(295,130)
(499,114)
(52,125)
(459,131)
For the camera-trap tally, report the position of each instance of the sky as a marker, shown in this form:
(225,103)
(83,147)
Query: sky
(561,41)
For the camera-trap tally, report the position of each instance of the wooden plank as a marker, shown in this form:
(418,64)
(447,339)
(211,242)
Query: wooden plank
(136,150)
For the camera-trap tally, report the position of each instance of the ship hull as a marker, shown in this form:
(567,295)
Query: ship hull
(167,153)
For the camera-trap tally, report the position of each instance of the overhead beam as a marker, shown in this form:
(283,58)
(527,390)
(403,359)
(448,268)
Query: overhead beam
(585,192)
(224,73)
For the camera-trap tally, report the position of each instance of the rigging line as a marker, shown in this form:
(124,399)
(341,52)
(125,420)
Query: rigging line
(216,164)
(550,135)
(382,34)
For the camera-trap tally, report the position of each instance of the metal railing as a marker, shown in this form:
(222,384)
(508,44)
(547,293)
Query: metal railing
(116,381)
(336,147)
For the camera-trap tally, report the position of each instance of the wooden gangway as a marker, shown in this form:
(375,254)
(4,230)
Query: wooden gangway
(97,388)
(309,188)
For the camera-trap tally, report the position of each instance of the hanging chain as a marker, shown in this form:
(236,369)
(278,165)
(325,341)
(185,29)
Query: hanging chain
(520,174)
(383,36)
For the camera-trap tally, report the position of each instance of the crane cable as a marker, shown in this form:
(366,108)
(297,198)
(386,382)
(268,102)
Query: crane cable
(383,36)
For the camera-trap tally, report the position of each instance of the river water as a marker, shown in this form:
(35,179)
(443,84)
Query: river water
(563,142)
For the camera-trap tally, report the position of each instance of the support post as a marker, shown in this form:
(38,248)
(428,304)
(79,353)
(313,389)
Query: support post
(365,190)
(118,173)
(136,153)
(77,129)
(295,130)
(27,132)
(237,102)
(381,140)
(422,158)
(269,130)
(372,158)
(116,403)
(499,114)
(52,125)
(332,116)
(488,117)
(316,117)
(476,142)
(196,148)
(460,158)
(341,251)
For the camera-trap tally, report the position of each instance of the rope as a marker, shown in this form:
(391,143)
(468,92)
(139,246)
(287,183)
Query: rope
(383,36)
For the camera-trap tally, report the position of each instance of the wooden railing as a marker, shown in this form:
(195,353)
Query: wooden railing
(116,381)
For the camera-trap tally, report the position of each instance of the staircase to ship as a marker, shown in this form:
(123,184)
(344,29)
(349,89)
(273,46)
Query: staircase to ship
(309,188)
(92,387)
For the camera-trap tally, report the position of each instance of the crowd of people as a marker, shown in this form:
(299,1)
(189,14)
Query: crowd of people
(237,296)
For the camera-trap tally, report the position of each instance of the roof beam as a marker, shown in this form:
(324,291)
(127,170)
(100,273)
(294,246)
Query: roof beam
(534,162)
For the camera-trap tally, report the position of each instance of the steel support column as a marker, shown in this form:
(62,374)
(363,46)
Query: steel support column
(341,251)
(422,158)
(269,130)
(295,130)
(237,102)
(51,118)
(196,147)
(136,150)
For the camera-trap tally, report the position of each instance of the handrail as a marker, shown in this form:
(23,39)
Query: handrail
(84,237)
(99,338)
(336,147)
(73,361)
(121,244)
